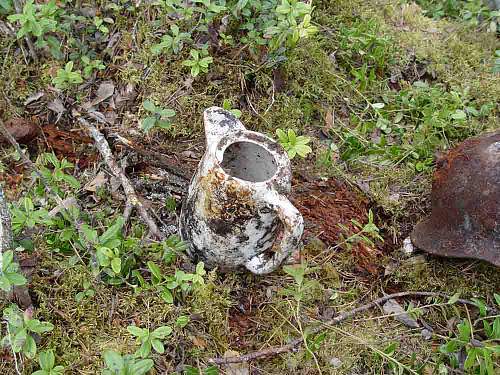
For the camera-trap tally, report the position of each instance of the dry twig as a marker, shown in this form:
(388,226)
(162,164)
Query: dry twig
(292,346)
(132,200)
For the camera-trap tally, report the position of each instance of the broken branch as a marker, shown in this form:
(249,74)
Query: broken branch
(292,346)
(102,146)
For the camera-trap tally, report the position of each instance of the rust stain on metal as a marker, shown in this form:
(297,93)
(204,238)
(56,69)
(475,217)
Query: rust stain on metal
(465,218)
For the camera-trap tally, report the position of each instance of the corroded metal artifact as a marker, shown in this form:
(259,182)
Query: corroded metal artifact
(236,212)
(465,218)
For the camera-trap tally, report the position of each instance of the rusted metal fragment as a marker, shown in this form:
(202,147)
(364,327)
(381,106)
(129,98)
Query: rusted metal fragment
(236,213)
(465,218)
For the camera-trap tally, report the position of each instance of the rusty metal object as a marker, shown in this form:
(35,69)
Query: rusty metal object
(236,212)
(465,218)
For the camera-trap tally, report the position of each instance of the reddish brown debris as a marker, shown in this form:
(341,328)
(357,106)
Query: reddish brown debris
(326,204)
(66,144)
(23,130)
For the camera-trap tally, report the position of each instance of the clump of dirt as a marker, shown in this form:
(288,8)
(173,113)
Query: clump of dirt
(326,204)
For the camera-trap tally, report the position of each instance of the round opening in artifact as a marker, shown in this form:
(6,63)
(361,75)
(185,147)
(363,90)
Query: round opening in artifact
(249,161)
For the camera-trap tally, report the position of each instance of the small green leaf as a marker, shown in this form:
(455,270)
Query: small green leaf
(113,360)
(155,270)
(141,367)
(114,231)
(7,259)
(144,350)
(29,347)
(182,321)
(137,331)
(148,123)
(158,346)
(167,296)
(47,360)
(16,278)
(149,106)
(464,329)
(471,358)
(162,332)
(211,370)
(116,265)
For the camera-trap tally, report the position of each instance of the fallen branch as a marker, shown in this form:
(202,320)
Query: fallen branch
(292,346)
(131,197)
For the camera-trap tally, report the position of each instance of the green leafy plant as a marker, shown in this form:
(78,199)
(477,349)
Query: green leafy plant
(148,340)
(293,23)
(474,12)
(19,329)
(182,321)
(159,117)
(108,246)
(6,7)
(173,42)
(33,22)
(90,65)
(480,344)
(365,233)
(179,284)
(199,62)
(24,215)
(116,364)
(302,285)
(171,248)
(293,144)
(88,292)
(100,26)
(54,171)
(67,77)
(47,363)
(10,274)
(227,105)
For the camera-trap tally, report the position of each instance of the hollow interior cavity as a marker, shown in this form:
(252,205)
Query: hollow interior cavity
(249,161)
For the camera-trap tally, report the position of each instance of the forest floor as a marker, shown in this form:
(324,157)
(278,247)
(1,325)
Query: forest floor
(381,88)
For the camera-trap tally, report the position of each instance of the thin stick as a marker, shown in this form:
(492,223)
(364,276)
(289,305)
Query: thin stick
(292,346)
(77,222)
(102,145)
(13,352)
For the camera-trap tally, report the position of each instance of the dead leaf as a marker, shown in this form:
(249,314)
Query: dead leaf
(23,130)
(125,94)
(199,342)
(98,181)
(105,90)
(393,307)
(57,106)
(34,97)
